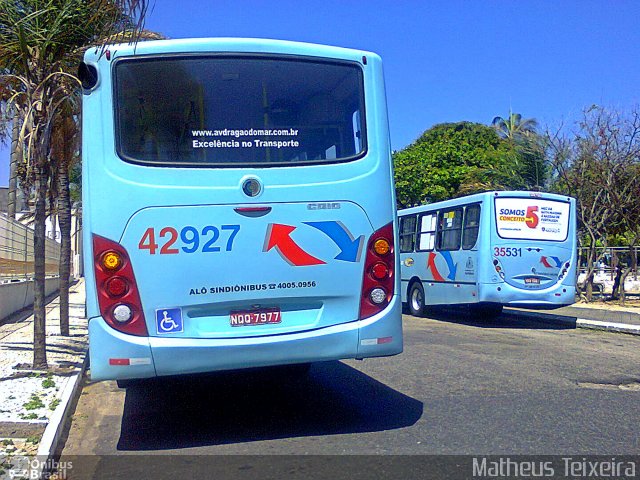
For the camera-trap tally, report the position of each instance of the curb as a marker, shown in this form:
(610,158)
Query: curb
(579,322)
(608,326)
(50,440)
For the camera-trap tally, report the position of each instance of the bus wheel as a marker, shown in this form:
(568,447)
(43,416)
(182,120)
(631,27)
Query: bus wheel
(416,300)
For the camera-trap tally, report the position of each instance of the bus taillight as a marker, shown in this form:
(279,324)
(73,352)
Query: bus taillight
(111,260)
(380,270)
(564,271)
(116,286)
(378,281)
(498,268)
(118,295)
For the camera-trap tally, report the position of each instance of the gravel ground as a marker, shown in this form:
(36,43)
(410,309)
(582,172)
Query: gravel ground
(29,397)
(33,397)
(15,459)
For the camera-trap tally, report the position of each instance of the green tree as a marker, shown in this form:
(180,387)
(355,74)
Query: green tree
(15,160)
(532,159)
(599,165)
(65,151)
(454,159)
(39,41)
(522,135)
(514,127)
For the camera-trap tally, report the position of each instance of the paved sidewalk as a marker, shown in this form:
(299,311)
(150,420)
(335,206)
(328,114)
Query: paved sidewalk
(33,403)
(606,313)
(597,316)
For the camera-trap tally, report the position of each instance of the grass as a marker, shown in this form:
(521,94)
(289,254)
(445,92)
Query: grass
(34,403)
(48,382)
(54,403)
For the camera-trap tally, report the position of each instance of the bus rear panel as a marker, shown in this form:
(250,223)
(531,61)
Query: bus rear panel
(533,252)
(490,250)
(238,200)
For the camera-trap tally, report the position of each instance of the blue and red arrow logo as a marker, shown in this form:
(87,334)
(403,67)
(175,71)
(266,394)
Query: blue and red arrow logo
(431,265)
(556,261)
(350,248)
(279,237)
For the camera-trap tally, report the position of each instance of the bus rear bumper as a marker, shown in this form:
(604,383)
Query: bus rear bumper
(555,297)
(380,335)
(116,356)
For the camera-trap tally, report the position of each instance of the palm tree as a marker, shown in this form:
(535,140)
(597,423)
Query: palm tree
(514,127)
(39,41)
(64,153)
(522,134)
(15,160)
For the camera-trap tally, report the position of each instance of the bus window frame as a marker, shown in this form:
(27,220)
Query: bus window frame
(464,224)
(420,232)
(412,234)
(441,231)
(245,56)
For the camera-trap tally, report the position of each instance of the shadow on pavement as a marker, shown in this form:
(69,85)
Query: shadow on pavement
(263,404)
(68,349)
(512,319)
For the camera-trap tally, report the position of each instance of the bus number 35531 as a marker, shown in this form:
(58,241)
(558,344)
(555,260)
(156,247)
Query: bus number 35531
(507,252)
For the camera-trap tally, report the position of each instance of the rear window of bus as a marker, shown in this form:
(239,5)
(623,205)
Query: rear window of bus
(238,110)
(532,219)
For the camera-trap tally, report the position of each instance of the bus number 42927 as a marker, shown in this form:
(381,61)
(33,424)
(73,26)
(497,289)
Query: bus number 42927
(190,239)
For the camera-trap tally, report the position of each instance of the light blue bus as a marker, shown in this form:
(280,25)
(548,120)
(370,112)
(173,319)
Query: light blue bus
(238,205)
(489,250)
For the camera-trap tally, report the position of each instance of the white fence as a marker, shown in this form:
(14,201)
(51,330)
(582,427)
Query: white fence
(16,295)
(16,251)
(605,272)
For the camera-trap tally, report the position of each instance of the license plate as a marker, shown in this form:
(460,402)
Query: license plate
(262,316)
(532,281)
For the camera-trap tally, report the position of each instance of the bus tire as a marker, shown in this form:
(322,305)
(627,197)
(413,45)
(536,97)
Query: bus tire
(415,300)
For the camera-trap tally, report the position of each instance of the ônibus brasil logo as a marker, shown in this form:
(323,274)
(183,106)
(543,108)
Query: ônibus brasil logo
(529,217)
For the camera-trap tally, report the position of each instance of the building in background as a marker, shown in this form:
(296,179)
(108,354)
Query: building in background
(4,200)
(52,232)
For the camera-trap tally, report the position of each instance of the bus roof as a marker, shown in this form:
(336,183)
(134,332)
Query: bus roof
(479,197)
(231,45)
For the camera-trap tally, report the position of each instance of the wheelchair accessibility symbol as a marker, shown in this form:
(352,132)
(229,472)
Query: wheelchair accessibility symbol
(169,320)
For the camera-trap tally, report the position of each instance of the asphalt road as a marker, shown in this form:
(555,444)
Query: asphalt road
(463,386)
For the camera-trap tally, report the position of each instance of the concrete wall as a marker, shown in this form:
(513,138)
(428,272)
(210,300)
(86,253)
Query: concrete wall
(15,296)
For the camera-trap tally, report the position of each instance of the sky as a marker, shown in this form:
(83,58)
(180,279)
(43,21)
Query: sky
(448,61)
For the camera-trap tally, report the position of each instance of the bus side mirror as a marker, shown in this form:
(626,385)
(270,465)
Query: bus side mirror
(88,75)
